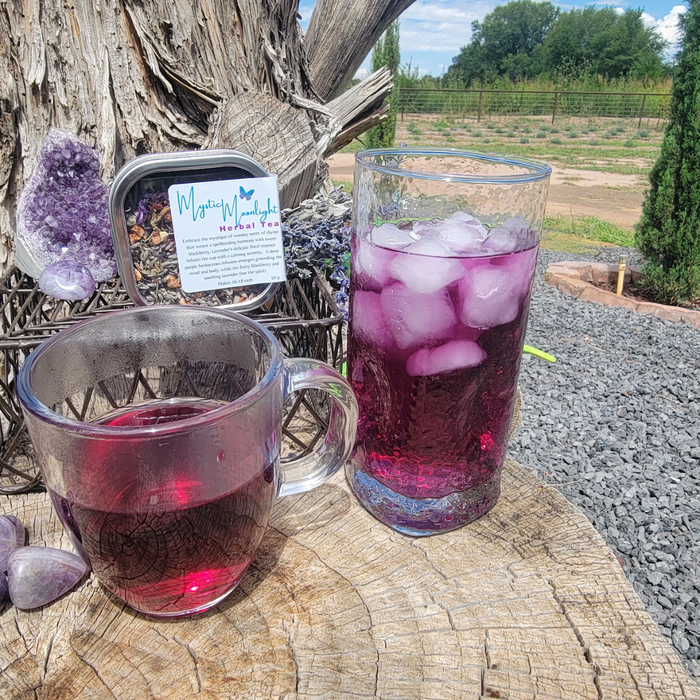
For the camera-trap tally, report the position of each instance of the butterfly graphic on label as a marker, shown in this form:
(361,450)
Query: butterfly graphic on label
(246,195)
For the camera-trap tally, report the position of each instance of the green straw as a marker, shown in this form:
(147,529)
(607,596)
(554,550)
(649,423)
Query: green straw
(539,353)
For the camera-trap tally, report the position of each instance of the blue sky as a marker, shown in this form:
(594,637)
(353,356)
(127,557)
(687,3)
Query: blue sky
(433,31)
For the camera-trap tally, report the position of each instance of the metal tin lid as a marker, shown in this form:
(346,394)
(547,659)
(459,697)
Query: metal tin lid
(142,228)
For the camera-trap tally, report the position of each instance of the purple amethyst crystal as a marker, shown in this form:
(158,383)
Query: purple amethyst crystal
(38,575)
(63,210)
(67,279)
(11,537)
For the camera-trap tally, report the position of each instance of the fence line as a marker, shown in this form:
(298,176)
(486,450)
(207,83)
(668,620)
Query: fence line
(479,103)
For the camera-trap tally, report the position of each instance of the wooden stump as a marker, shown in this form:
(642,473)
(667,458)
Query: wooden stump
(527,602)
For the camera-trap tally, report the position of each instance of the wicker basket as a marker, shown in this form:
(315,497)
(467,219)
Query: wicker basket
(303,316)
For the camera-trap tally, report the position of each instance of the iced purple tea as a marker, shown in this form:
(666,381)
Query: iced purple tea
(438,315)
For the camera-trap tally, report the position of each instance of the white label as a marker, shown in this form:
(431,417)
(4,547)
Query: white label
(228,233)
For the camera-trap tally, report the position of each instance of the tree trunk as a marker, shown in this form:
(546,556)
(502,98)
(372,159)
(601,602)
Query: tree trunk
(133,78)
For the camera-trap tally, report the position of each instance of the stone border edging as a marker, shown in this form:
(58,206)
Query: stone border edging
(578,278)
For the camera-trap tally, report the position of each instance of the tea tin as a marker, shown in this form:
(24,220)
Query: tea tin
(142,229)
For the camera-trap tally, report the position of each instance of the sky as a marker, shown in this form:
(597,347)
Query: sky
(433,31)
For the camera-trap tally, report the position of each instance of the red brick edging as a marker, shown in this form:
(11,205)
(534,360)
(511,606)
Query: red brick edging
(576,278)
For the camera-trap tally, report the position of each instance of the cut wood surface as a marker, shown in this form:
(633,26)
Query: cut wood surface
(528,602)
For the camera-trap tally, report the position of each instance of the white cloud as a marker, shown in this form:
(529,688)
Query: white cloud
(668,27)
(440,26)
(438,37)
(447,10)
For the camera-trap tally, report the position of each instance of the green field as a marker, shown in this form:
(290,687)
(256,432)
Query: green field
(605,145)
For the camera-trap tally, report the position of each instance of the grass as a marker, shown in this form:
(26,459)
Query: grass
(620,148)
(589,228)
(353,147)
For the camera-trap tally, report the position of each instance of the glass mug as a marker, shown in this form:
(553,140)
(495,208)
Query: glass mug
(443,258)
(157,431)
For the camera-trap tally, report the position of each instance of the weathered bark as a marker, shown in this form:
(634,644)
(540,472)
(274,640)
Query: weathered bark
(133,78)
(527,602)
(337,33)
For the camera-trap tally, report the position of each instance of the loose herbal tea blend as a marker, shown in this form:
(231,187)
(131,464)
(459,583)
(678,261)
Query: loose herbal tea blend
(155,262)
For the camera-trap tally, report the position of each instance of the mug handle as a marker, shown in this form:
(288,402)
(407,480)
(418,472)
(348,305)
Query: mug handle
(310,471)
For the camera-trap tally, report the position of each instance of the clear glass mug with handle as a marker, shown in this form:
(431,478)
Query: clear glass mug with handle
(157,431)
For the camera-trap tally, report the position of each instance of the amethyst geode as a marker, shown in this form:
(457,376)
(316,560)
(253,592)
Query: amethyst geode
(63,212)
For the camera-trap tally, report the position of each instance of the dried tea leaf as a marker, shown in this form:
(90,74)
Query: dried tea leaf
(135,233)
(173,282)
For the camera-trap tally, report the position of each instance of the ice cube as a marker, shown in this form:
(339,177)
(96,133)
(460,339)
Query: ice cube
(371,264)
(508,236)
(462,236)
(456,354)
(464,216)
(461,233)
(368,321)
(489,297)
(516,225)
(500,241)
(417,319)
(423,228)
(425,266)
(521,268)
(391,236)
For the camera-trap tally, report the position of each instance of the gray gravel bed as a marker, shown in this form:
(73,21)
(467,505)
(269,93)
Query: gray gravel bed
(614,425)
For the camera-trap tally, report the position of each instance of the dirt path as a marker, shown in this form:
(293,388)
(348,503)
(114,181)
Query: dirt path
(608,196)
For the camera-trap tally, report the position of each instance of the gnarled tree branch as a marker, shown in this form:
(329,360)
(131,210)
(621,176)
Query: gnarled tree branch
(340,36)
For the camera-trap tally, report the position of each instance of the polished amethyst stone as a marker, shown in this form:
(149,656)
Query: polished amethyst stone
(38,575)
(67,279)
(63,210)
(11,536)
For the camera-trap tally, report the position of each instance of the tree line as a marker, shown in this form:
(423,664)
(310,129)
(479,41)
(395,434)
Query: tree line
(523,39)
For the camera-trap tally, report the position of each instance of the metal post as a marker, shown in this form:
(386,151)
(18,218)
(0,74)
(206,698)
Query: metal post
(554,108)
(403,98)
(641,112)
(621,265)
(478,114)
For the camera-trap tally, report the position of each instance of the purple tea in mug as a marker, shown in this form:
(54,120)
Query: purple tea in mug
(158,432)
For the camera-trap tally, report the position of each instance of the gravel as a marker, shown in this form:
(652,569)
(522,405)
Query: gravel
(614,425)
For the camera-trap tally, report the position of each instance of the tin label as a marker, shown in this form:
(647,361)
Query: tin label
(228,233)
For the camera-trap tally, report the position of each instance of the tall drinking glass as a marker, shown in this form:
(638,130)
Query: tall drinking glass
(443,258)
